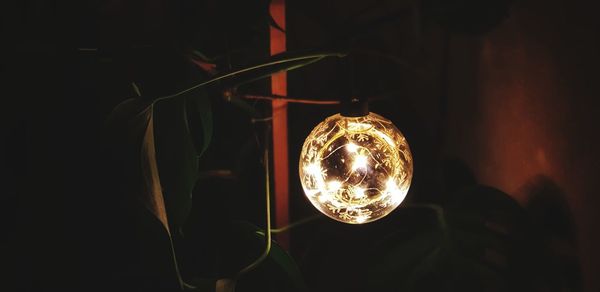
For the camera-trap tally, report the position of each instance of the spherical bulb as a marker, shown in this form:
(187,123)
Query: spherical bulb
(355,169)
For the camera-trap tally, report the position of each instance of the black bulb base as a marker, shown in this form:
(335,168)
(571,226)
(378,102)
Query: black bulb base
(354,107)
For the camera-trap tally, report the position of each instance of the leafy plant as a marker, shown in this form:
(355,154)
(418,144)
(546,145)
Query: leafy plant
(472,246)
(159,144)
(480,240)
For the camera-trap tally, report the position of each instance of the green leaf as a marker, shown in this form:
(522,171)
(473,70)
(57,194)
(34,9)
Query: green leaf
(177,157)
(287,264)
(386,268)
(274,64)
(469,251)
(278,272)
(272,21)
(132,123)
(200,122)
(203,57)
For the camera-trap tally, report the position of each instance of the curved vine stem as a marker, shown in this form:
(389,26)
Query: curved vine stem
(265,253)
(294,224)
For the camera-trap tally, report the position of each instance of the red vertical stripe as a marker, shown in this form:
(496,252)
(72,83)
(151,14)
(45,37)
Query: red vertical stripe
(280,135)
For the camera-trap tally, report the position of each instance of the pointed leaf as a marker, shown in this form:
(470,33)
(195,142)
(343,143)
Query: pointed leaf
(274,64)
(469,251)
(278,272)
(200,121)
(151,188)
(132,123)
(272,21)
(176,156)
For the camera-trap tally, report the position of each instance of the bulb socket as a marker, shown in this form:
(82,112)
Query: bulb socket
(354,107)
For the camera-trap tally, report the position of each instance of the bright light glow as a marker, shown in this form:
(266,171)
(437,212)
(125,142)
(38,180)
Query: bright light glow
(358,127)
(334,162)
(358,192)
(311,193)
(313,169)
(361,219)
(390,185)
(360,161)
(334,185)
(396,195)
(351,147)
(324,197)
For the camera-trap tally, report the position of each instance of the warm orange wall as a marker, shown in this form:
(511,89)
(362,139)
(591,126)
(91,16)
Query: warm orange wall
(534,109)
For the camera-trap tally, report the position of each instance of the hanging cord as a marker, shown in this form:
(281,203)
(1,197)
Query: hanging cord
(267,234)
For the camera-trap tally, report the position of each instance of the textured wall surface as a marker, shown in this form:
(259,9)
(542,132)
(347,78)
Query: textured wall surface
(523,102)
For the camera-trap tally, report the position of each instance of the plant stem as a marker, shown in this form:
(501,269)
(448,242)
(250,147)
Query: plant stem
(265,253)
(294,224)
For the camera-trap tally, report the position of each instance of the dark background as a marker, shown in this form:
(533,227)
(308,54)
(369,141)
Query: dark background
(505,90)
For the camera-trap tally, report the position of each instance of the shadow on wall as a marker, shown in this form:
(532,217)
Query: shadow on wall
(553,236)
(474,238)
(523,102)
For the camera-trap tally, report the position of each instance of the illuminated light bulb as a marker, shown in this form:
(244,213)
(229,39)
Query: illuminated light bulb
(356,169)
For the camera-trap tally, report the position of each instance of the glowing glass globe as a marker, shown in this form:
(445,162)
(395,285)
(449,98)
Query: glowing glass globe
(355,169)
